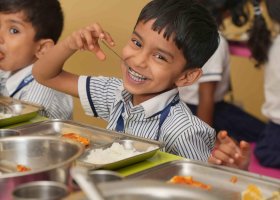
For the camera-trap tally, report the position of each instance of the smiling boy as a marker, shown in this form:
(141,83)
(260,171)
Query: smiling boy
(172,39)
(29,28)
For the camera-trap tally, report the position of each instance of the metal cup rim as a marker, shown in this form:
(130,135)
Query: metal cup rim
(56,184)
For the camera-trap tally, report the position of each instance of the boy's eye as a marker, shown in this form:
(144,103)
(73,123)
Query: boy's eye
(159,56)
(137,43)
(13,31)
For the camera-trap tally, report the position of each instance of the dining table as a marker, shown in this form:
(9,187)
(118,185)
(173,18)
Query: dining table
(165,164)
(158,158)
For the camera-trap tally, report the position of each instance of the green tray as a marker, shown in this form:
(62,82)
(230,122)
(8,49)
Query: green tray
(21,111)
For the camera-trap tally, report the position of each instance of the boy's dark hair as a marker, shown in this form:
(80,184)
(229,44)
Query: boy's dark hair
(190,25)
(46,16)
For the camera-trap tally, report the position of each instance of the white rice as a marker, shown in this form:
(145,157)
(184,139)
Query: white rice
(4,115)
(115,153)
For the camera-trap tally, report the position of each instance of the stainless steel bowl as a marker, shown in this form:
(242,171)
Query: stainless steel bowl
(35,190)
(48,157)
(8,133)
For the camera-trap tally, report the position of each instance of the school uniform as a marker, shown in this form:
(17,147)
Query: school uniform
(21,85)
(164,118)
(268,148)
(239,124)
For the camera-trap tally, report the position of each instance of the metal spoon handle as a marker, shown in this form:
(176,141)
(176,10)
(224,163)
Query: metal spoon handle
(110,48)
(80,175)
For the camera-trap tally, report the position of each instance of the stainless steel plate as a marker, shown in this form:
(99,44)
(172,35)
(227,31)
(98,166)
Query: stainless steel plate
(152,190)
(144,151)
(216,176)
(13,111)
(99,138)
(148,190)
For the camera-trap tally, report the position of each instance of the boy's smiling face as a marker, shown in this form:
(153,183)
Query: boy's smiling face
(17,45)
(152,64)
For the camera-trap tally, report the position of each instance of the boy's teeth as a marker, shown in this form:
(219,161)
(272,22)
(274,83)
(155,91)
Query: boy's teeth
(135,75)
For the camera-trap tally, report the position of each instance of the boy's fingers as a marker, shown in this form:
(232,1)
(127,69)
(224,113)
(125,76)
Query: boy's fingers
(96,30)
(108,39)
(245,148)
(100,54)
(223,157)
(214,160)
(77,41)
(231,147)
(89,42)
(222,136)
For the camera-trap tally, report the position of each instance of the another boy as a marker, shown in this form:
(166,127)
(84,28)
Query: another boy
(29,28)
(172,39)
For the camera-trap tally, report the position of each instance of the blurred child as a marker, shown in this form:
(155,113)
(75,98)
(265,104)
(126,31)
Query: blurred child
(171,40)
(206,97)
(29,28)
(265,50)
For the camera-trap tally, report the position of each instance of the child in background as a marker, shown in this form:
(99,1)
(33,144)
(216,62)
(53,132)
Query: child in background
(171,40)
(28,29)
(265,50)
(206,97)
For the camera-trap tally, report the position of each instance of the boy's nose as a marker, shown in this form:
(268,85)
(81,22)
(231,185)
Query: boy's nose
(141,59)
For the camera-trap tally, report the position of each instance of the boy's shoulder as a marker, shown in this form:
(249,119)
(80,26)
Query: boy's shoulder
(183,117)
(102,80)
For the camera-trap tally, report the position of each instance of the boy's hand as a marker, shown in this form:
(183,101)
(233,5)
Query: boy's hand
(228,153)
(87,39)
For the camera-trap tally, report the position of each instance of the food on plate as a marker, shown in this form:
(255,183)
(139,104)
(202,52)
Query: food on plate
(188,180)
(5,115)
(253,192)
(233,179)
(112,154)
(77,137)
(22,168)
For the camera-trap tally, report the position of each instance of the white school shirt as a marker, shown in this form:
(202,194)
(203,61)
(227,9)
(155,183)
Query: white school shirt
(271,106)
(56,105)
(216,69)
(182,133)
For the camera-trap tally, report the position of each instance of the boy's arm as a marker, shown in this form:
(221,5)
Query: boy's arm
(206,106)
(48,70)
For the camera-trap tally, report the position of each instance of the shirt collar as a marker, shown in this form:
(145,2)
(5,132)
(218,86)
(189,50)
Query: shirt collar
(15,79)
(153,105)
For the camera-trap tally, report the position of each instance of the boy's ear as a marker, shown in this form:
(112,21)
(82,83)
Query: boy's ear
(189,77)
(43,46)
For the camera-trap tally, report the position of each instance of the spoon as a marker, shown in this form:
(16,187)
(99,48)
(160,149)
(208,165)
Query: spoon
(80,175)
(110,48)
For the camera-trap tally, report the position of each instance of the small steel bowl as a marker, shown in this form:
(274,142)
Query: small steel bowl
(8,133)
(49,158)
(49,190)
